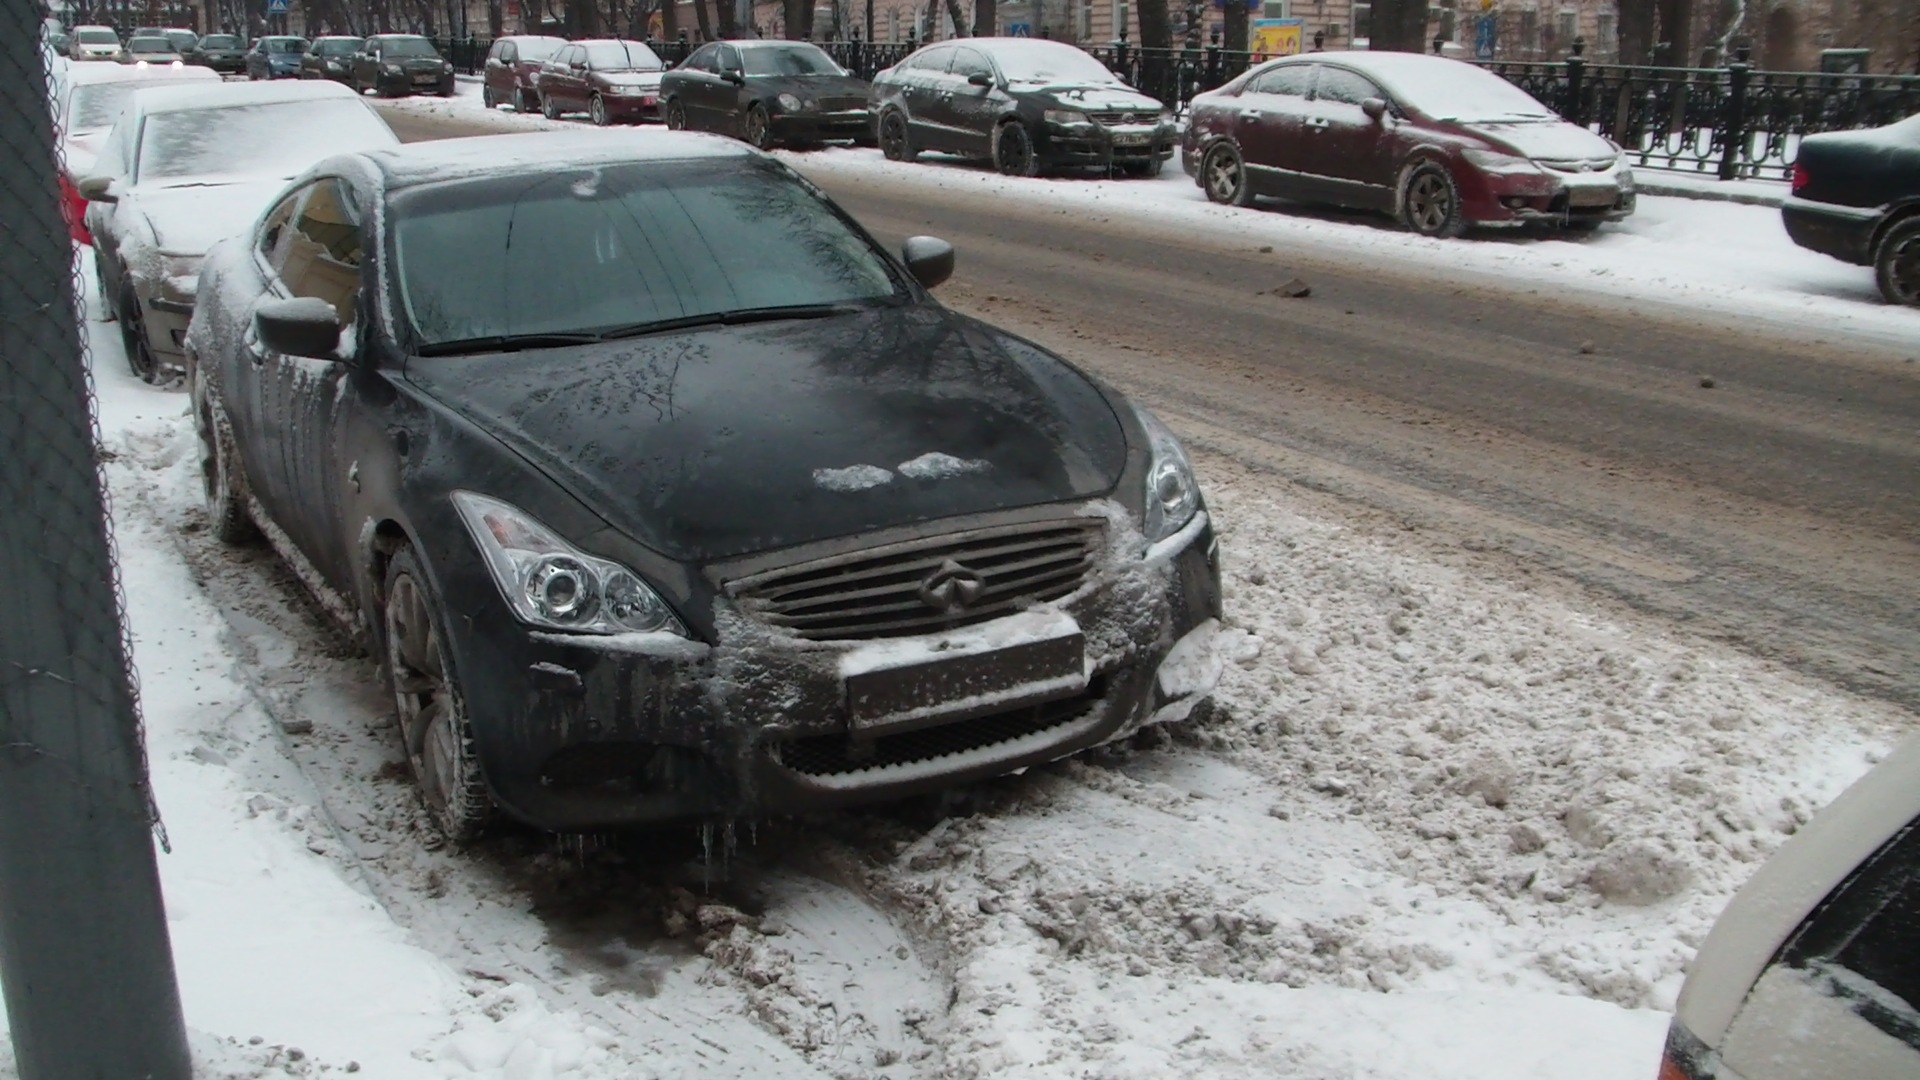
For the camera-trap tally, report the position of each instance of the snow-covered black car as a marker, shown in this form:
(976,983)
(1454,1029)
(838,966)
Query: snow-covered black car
(664,493)
(1856,197)
(1022,103)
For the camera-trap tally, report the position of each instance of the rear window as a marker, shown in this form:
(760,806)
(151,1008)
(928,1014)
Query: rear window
(534,50)
(588,251)
(98,105)
(265,140)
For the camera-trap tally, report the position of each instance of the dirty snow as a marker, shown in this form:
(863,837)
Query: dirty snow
(1438,817)
(939,466)
(852,478)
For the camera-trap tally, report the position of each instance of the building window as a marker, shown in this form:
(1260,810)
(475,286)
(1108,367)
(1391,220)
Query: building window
(1086,21)
(1276,9)
(1567,28)
(1120,12)
(1362,22)
(1530,30)
(893,24)
(1604,33)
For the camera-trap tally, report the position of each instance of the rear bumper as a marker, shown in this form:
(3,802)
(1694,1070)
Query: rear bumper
(1844,232)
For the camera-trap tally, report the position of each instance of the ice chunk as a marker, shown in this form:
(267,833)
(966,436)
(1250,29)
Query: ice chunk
(852,478)
(939,466)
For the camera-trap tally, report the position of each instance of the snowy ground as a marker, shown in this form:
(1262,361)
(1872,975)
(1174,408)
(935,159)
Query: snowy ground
(1444,826)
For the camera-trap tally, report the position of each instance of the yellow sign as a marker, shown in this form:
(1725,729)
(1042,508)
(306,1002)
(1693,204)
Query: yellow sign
(1275,37)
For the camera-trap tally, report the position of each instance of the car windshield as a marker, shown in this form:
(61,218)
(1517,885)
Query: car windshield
(1049,62)
(620,249)
(788,60)
(1461,93)
(407,49)
(219,41)
(182,39)
(98,37)
(337,47)
(149,45)
(255,140)
(533,50)
(621,56)
(286,45)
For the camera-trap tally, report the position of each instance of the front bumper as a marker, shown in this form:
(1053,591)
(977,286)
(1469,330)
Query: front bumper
(823,126)
(579,733)
(416,83)
(633,107)
(1550,198)
(1844,232)
(1096,144)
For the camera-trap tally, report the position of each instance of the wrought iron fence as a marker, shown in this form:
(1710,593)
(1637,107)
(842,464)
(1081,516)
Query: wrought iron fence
(1730,123)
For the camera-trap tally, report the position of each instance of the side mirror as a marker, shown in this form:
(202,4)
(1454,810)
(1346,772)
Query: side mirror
(304,326)
(734,76)
(1374,107)
(929,259)
(98,189)
(980,78)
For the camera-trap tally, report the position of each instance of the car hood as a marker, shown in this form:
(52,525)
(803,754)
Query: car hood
(817,87)
(724,441)
(188,220)
(1096,98)
(418,63)
(1553,140)
(631,78)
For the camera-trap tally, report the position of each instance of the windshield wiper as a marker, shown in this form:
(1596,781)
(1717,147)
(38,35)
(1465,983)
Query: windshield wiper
(503,343)
(729,318)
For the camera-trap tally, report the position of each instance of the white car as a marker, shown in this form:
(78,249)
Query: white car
(94,43)
(85,105)
(1813,971)
(187,166)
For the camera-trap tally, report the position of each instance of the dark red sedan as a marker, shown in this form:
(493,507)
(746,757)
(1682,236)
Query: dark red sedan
(612,81)
(512,63)
(1439,144)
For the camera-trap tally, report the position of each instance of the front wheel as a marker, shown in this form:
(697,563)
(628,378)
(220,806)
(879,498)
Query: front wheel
(597,111)
(133,335)
(549,108)
(486,98)
(1896,263)
(676,115)
(434,728)
(1224,175)
(1430,201)
(895,140)
(220,477)
(757,128)
(1013,150)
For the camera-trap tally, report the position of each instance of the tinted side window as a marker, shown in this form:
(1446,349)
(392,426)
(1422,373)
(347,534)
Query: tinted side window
(1865,937)
(1339,84)
(701,60)
(728,58)
(969,62)
(323,250)
(928,60)
(1293,80)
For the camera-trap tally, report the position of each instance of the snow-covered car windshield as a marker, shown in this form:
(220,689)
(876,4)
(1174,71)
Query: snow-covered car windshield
(620,249)
(788,60)
(254,140)
(337,47)
(98,105)
(1049,62)
(534,50)
(98,37)
(407,49)
(621,56)
(1462,93)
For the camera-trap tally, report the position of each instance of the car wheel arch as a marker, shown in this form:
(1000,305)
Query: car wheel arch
(1897,213)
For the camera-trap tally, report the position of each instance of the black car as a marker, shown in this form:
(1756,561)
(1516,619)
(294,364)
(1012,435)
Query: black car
(396,65)
(1022,103)
(331,57)
(225,53)
(694,504)
(766,92)
(1856,197)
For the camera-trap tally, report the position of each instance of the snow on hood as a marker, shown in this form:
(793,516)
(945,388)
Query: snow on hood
(189,220)
(1553,140)
(1102,98)
(632,78)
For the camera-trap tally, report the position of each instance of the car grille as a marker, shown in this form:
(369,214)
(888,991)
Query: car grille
(876,593)
(1109,119)
(1577,165)
(833,755)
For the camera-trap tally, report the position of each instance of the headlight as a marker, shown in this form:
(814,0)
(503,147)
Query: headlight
(1625,176)
(446,68)
(789,102)
(1172,493)
(180,276)
(550,583)
(1064,116)
(1496,162)
(391,69)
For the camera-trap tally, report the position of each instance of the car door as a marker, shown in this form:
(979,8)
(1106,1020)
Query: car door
(499,73)
(923,78)
(730,94)
(366,65)
(1271,125)
(1347,156)
(965,110)
(570,80)
(117,155)
(689,83)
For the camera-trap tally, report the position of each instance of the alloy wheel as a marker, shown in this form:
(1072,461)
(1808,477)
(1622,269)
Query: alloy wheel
(894,143)
(432,717)
(757,127)
(1224,175)
(133,335)
(597,111)
(676,116)
(1897,264)
(1013,150)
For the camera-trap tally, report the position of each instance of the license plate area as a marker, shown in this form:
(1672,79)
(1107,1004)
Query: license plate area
(1132,138)
(1592,196)
(426,79)
(974,683)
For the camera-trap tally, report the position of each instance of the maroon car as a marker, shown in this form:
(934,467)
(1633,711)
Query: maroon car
(612,81)
(511,65)
(1438,143)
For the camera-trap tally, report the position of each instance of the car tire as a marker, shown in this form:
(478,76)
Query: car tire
(1012,150)
(133,336)
(548,109)
(486,98)
(520,100)
(447,90)
(676,115)
(597,111)
(223,483)
(1896,263)
(1223,174)
(1430,201)
(431,713)
(757,127)
(896,139)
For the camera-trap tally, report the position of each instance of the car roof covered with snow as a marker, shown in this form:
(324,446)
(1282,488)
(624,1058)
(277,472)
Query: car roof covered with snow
(225,95)
(500,155)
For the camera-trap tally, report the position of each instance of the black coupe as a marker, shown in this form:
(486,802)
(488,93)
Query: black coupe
(766,92)
(664,494)
(1856,197)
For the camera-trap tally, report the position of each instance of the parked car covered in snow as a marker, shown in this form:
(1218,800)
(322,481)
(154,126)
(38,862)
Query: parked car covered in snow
(152,51)
(766,92)
(1021,103)
(513,63)
(95,43)
(89,101)
(1438,143)
(186,166)
(719,514)
(1856,197)
(1813,971)
(612,81)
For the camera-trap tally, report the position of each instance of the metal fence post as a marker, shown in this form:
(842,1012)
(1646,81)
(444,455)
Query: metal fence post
(1734,120)
(84,954)
(1575,107)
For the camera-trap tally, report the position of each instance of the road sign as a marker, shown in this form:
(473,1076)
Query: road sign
(279,7)
(1019,29)
(1483,38)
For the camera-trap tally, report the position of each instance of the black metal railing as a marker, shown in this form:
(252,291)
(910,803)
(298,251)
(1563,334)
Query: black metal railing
(1730,123)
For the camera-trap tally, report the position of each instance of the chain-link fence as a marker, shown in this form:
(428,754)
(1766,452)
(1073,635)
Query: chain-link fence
(84,955)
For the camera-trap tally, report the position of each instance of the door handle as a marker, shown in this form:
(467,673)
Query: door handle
(1250,114)
(1317,124)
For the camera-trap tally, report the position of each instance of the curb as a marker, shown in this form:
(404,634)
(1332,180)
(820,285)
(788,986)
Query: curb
(1646,184)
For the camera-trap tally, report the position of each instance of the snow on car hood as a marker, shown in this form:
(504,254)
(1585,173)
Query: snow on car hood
(1552,140)
(189,220)
(1101,98)
(722,441)
(644,79)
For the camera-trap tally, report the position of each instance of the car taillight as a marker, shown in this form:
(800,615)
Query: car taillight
(1685,1057)
(1801,178)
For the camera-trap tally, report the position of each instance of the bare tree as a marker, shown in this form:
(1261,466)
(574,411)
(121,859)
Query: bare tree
(1156,29)
(1399,26)
(1637,20)
(1234,32)
(1676,30)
